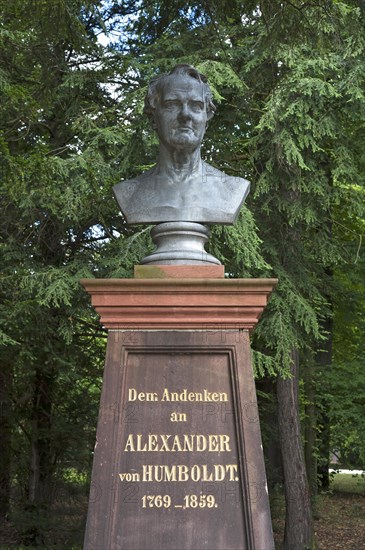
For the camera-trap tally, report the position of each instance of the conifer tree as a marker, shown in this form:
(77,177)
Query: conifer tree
(288,79)
(59,144)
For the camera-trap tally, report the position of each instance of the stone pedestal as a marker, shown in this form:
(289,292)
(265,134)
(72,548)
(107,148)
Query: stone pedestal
(178,461)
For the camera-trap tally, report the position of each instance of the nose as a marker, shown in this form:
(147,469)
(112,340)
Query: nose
(185,113)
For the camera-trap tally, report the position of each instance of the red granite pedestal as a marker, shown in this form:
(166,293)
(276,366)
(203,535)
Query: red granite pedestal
(178,461)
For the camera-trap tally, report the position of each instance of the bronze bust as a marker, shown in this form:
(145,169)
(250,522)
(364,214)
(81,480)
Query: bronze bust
(181,187)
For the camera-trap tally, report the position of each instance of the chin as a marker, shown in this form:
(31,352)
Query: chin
(186,141)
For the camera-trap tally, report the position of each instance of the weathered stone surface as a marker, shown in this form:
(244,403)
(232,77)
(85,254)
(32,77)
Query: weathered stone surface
(178,463)
(179,303)
(178,271)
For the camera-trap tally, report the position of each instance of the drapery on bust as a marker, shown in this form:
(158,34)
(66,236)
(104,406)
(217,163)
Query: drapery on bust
(181,186)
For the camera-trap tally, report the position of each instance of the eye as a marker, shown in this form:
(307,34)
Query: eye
(197,106)
(170,104)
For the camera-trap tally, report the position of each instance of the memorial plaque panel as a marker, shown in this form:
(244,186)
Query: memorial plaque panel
(171,470)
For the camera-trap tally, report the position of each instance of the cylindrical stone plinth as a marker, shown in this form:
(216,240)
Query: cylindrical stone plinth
(180,243)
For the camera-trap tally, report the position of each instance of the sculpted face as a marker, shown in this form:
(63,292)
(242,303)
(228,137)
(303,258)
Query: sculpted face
(180,114)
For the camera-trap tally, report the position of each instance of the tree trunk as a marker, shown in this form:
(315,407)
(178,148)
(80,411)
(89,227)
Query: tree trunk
(41,465)
(270,439)
(5,439)
(310,430)
(298,517)
(324,361)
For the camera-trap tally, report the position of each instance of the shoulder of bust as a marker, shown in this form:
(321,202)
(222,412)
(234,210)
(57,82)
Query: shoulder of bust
(215,173)
(144,176)
(127,187)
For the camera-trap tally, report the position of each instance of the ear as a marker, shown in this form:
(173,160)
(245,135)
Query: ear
(152,117)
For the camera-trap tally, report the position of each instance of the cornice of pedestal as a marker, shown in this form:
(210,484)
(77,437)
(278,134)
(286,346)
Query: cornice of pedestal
(179,303)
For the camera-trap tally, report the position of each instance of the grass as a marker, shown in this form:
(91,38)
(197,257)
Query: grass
(339,518)
(348,483)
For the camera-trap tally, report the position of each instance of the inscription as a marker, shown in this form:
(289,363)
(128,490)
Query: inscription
(177,443)
(184,396)
(204,445)
(178,417)
(190,501)
(180,472)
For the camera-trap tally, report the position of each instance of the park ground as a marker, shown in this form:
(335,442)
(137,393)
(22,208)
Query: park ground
(339,519)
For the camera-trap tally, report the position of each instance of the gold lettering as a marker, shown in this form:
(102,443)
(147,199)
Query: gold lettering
(195,473)
(232,470)
(219,473)
(215,443)
(165,395)
(206,476)
(164,442)
(147,472)
(224,444)
(181,472)
(129,477)
(178,417)
(139,443)
(170,474)
(129,446)
(213,440)
(152,443)
(176,446)
(188,443)
(184,395)
(133,395)
(201,443)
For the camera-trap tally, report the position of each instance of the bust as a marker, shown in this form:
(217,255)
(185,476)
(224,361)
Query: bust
(181,187)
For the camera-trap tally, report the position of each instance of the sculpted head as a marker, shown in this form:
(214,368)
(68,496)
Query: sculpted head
(179,105)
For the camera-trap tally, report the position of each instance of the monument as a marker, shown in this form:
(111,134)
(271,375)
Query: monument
(178,461)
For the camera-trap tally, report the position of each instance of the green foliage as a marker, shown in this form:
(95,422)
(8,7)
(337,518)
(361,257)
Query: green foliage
(58,134)
(290,119)
(347,414)
(238,246)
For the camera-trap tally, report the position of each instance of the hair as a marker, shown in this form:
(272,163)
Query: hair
(156,84)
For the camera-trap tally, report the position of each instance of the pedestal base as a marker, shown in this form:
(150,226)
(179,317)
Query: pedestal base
(170,303)
(178,463)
